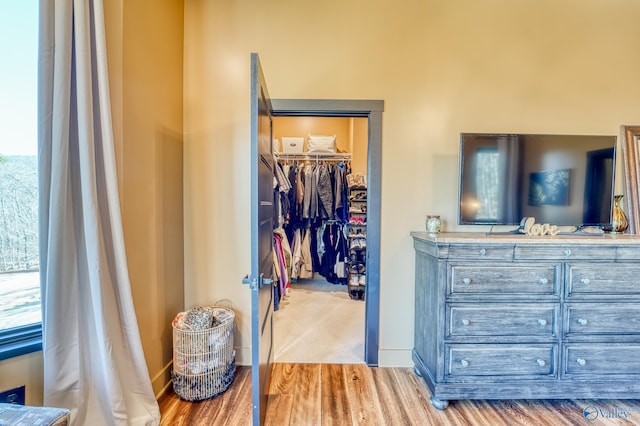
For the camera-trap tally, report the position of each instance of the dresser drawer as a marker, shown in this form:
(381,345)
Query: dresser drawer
(602,359)
(500,360)
(563,252)
(504,279)
(628,252)
(610,318)
(506,319)
(606,279)
(481,252)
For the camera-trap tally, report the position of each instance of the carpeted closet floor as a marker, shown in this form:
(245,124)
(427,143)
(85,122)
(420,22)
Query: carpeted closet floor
(319,323)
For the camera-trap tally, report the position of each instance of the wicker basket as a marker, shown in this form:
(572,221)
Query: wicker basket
(204,360)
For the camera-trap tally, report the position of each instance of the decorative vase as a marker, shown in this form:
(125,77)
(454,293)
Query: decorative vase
(619,222)
(433,224)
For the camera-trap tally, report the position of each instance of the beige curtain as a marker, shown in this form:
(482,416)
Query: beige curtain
(93,359)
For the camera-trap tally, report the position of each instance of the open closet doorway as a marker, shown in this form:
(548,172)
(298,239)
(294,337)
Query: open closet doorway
(331,311)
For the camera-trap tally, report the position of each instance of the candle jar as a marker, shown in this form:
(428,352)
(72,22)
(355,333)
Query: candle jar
(433,224)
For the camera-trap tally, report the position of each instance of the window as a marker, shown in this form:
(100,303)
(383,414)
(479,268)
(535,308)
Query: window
(20,311)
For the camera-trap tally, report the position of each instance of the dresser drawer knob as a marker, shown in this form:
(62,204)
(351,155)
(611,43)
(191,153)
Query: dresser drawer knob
(466,281)
(582,321)
(541,362)
(567,252)
(585,281)
(466,322)
(581,361)
(542,321)
(464,363)
(483,252)
(544,281)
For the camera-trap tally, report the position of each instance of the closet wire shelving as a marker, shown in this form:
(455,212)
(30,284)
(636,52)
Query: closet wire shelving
(313,156)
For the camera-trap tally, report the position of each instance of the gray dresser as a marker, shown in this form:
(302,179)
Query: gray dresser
(516,317)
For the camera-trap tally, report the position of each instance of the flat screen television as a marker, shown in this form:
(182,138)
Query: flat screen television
(557,179)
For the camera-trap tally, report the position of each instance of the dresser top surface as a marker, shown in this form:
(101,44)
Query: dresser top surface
(521,239)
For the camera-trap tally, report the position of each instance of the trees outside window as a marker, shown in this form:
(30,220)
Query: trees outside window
(20,311)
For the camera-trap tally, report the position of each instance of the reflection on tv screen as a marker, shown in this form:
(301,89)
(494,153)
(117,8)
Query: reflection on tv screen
(558,179)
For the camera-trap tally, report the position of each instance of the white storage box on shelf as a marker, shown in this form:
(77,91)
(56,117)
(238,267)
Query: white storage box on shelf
(204,362)
(292,145)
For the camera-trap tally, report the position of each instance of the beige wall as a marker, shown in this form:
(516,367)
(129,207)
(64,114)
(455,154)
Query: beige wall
(360,148)
(144,43)
(301,127)
(151,166)
(24,370)
(441,67)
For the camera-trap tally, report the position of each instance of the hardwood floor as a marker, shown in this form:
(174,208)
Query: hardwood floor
(354,394)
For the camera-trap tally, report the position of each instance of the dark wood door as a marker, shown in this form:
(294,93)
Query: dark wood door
(260,280)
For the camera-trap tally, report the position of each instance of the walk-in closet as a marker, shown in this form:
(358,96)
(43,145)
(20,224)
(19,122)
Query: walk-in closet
(319,240)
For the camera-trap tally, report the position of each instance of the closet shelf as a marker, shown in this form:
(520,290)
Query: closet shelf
(334,156)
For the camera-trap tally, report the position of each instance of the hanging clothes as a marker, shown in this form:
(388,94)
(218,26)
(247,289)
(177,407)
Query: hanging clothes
(306,263)
(296,249)
(325,193)
(335,250)
(282,186)
(277,289)
(283,249)
(310,196)
(309,187)
(340,193)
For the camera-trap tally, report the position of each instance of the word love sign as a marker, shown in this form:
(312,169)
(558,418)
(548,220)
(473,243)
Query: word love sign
(529,227)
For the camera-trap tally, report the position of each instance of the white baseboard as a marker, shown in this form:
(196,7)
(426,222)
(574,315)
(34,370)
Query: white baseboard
(161,381)
(394,358)
(243,355)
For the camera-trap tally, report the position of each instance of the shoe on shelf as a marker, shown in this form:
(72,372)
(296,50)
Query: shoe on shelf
(354,280)
(358,243)
(358,196)
(353,257)
(356,255)
(362,280)
(357,233)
